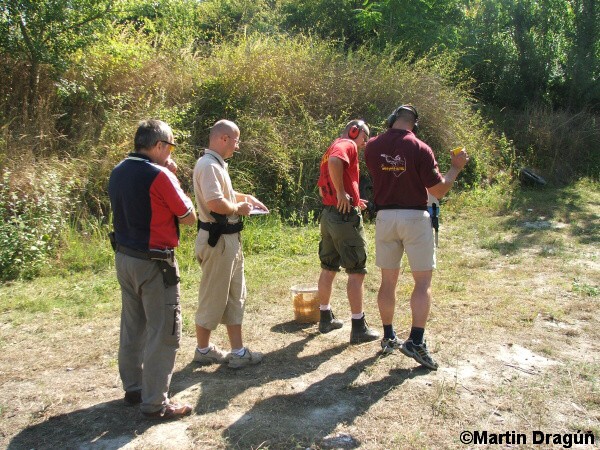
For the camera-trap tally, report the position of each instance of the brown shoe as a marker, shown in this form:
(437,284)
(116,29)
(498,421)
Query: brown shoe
(170,412)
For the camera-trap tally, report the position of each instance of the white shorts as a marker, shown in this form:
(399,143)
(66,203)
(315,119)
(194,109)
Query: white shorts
(399,230)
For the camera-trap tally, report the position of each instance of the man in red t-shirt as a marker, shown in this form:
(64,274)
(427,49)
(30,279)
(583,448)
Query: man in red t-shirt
(404,169)
(342,234)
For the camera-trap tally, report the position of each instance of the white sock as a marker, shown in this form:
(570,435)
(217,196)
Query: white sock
(204,350)
(358,316)
(325,307)
(239,351)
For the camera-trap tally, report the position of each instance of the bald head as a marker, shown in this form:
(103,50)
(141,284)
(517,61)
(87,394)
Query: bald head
(224,138)
(223,128)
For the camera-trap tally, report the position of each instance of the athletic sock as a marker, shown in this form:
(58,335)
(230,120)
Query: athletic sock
(325,307)
(239,351)
(358,316)
(204,350)
(416,335)
(388,332)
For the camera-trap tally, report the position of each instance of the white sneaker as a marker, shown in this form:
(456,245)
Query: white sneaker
(247,359)
(214,356)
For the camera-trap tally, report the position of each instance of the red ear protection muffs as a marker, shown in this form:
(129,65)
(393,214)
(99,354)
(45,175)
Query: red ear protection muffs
(355,129)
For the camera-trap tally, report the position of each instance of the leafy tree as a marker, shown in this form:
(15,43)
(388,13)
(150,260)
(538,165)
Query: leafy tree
(517,49)
(47,32)
(195,25)
(419,25)
(328,19)
(584,59)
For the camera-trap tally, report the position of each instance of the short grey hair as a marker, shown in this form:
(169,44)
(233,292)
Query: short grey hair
(149,132)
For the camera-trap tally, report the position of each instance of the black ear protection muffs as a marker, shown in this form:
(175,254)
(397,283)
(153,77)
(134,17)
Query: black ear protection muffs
(394,116)
(354,130)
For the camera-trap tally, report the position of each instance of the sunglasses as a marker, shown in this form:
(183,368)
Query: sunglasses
(172,145)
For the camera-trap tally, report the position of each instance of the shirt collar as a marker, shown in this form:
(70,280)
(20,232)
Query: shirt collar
(400,130)
(217,156)
(139,156)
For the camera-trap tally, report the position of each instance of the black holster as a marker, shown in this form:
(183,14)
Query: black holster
(113,240)
(217,228)
(169,272)
(221,226)
(435,220)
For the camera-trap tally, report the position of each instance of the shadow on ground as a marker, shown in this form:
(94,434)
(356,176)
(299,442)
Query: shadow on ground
(281,364)
(312,416)
(113,423)
(307,416)
(538,210)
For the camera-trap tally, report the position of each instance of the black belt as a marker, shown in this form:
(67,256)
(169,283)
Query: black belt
(335,209)
(153,253)
(229,228)
(418,208)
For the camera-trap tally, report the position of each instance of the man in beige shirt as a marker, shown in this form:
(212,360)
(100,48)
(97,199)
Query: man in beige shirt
(222,292)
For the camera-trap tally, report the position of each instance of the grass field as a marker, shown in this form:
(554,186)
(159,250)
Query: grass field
(514,326)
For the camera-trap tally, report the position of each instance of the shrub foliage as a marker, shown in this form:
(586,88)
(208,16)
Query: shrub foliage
(34,207)
(79,75)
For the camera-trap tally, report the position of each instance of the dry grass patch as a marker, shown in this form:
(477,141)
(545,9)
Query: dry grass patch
(516,342)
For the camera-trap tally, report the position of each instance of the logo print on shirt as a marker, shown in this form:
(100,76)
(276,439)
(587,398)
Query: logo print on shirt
(396,165)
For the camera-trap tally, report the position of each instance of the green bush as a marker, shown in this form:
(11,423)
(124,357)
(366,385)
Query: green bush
(292,97)
(559,145)
(33,210)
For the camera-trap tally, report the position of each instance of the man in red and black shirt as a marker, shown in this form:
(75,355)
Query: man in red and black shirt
(148,205)
(403,169)
(342,235)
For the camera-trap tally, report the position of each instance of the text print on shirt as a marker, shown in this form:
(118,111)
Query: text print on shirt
(397,164)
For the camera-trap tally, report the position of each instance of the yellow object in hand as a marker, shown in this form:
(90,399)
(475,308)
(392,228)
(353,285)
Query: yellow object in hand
(457,150)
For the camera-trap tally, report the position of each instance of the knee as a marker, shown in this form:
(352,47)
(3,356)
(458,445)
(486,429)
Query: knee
(356,277)
(422,289)
(328,275)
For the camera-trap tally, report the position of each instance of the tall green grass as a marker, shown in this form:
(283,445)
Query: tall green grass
(560,145)
(290,97)
(34,206)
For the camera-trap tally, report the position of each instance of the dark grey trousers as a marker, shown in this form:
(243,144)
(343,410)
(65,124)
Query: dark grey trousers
(150,330)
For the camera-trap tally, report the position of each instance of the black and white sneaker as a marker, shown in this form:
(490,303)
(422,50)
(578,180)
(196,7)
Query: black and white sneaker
(419,353)
(389,345)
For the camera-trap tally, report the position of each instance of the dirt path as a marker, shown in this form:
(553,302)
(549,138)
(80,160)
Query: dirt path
(518,354)
(311,390)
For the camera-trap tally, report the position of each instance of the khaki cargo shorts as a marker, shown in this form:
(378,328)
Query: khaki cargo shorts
(342,241)
(222,292)
(400,230)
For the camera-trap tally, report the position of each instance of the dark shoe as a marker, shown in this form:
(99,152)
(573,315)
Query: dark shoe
(133,398)
(328,322)
(169,412)
(419,353)
(389,345)
(361,332)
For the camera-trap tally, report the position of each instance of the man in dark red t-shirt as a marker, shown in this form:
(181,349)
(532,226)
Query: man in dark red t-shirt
(342,234)
(404,169)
